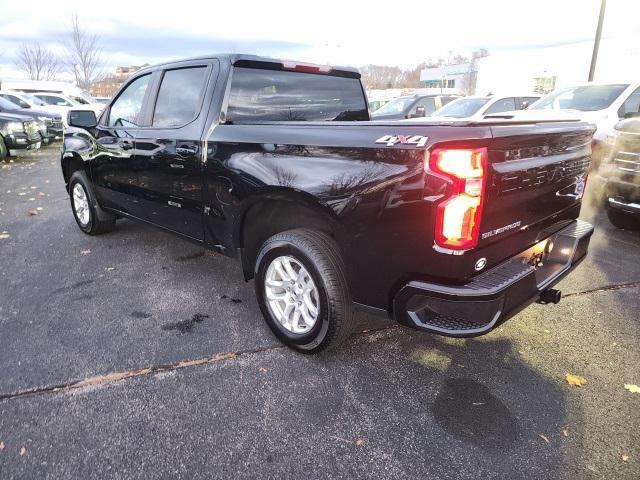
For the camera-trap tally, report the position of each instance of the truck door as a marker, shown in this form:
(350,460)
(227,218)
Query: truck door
(114,169)
(169,151)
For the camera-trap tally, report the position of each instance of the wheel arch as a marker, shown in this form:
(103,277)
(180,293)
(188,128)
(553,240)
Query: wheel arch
(275,211)
(71,162)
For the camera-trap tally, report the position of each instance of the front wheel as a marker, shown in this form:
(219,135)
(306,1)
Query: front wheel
(301,285)
(91,219)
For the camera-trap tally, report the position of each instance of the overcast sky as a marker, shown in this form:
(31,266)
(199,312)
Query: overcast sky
(327,31)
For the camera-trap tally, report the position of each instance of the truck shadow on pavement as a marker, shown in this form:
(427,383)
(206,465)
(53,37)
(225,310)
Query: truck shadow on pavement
(473,398)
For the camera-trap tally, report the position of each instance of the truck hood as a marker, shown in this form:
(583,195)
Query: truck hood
(15,117)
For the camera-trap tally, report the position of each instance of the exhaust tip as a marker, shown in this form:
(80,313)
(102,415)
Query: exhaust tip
(550,296)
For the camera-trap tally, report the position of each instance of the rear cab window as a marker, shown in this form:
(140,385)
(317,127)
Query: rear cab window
(262,95)
(180,96)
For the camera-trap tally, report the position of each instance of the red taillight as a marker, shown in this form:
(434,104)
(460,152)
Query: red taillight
(305,67)
(458,216)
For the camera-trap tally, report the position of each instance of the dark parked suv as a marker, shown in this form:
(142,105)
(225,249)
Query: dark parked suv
(17,133)
(447,227)
(49,124)
(620,170)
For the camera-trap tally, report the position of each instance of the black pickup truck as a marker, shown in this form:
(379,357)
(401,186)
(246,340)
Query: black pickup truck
(447,227)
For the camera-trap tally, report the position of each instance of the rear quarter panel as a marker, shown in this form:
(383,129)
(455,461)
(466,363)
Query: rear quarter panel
(374,193)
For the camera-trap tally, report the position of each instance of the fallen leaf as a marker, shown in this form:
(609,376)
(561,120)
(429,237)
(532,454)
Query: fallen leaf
(263,370)
(33,211)
(565,432)
(632,388)
(23,451)
(576,380)
(359,442)
(108,269)
(1,445)
(544,438)
(625,458)
(85,252)
(547,331)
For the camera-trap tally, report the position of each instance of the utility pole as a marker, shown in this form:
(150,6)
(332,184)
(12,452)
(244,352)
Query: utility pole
(596,43)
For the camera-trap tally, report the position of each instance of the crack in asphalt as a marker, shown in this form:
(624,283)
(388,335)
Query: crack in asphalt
(115,377)
(120,376)
(606,288)
(219,357)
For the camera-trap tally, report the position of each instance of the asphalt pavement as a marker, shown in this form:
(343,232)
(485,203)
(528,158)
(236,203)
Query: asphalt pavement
(138,355)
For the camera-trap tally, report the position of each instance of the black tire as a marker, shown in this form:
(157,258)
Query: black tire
(622,220)
(320,256)
(99,220)
(4,153)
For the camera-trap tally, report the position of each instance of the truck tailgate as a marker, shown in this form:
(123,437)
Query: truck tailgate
(533,177)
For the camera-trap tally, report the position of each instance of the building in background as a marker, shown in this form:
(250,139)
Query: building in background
(107,86)
(542,70)
(453,79)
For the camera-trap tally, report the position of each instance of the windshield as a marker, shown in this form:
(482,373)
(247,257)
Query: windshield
(587,98)
(36,101)
(17,100)
(7,105)
(461,108)
(397,105)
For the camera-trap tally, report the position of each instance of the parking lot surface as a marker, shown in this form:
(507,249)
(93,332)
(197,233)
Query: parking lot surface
(137,355)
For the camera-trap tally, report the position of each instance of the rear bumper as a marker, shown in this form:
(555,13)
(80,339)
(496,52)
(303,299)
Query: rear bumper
(497,294)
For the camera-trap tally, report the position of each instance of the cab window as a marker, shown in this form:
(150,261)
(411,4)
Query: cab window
(179,97)
(503,105)
(125,111)
(428,103)
(631,105)
(53,100)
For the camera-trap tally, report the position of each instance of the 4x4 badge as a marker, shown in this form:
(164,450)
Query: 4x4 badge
(392,140)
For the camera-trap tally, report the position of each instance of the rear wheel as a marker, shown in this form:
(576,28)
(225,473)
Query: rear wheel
(302,290)
(91,219)
(622,220)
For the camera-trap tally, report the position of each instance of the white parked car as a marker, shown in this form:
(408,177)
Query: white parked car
(76,103)
(601,104)
(26,100)
(475,108)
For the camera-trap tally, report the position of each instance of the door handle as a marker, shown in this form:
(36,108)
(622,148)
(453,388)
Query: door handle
(176,165)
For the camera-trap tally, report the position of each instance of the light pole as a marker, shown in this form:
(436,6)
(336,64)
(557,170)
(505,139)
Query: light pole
(596,42)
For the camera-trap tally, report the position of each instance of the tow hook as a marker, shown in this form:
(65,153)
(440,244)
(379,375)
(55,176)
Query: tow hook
(550,296)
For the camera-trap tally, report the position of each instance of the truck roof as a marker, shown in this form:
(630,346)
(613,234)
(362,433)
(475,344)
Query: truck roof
(235,58)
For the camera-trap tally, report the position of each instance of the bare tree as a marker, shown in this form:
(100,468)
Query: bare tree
(38,62)
(84,55)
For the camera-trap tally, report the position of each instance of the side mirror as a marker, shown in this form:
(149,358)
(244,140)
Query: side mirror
(82,118)
(631,114)
(419,113)
(524,105)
